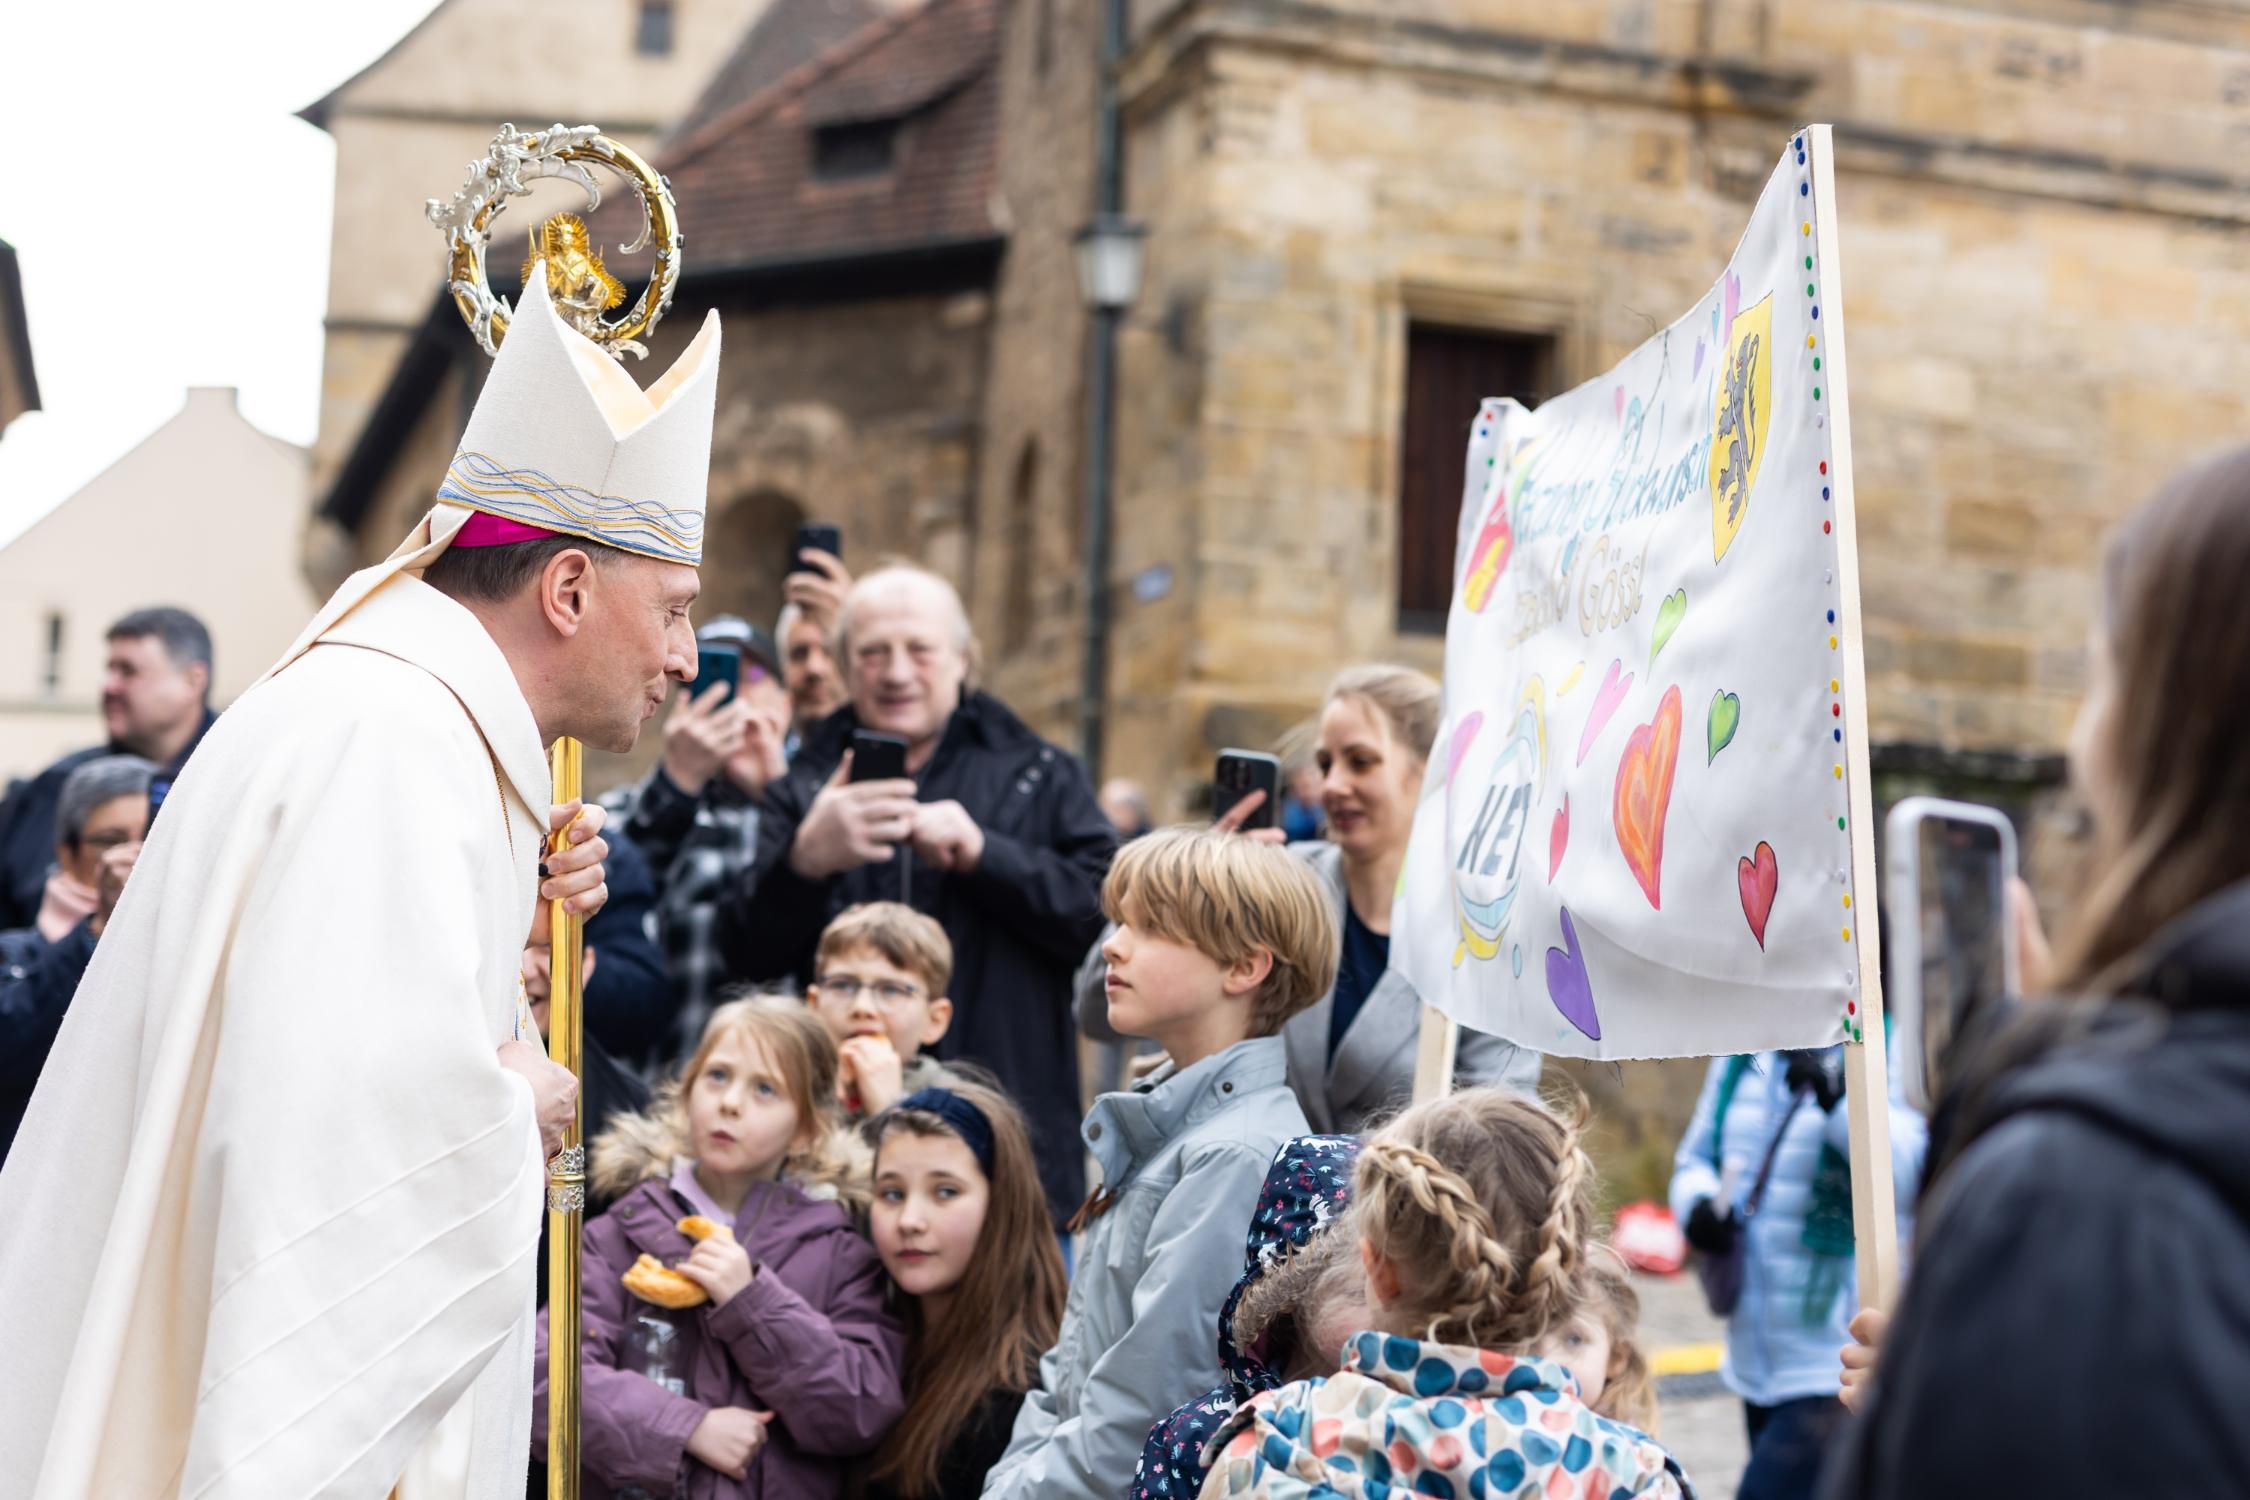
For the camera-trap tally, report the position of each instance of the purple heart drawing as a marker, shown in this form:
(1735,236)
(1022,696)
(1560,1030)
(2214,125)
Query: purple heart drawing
(1734,302)
(1698,368)
(1567,982)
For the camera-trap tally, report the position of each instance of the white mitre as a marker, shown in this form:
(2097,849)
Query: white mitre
(563,440)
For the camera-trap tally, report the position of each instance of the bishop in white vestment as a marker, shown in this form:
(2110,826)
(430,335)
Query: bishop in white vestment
(268,1228)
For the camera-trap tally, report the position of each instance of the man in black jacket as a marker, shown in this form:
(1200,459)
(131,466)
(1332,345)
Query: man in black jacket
(156,692)
(994,832)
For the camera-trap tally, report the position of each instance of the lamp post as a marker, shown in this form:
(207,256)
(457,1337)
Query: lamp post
(1109,277)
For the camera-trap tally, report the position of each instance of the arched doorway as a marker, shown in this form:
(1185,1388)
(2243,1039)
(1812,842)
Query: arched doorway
(746,556)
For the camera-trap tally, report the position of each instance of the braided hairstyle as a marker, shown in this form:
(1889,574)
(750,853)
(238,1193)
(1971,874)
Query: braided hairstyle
(1482,1202)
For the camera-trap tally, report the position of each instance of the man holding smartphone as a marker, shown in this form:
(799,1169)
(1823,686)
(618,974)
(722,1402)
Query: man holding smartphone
(695,815)
(984,826)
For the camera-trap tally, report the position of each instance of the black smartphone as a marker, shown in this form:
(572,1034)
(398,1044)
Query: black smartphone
(1951,959)
(877,757)
(717,664)
(1241,772)
(815,537)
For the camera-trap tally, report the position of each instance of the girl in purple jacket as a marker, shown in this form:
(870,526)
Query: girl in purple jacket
(791,1367)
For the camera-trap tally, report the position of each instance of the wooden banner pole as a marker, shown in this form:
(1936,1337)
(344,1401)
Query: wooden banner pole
(1866,1072)
(1434,1050)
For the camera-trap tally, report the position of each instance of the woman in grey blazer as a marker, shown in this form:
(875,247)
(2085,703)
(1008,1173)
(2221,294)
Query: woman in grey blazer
(1351,1055)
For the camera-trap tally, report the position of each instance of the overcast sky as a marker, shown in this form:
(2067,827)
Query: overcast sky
(170,215)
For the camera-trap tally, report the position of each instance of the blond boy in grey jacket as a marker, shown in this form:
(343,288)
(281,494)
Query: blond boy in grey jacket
(1220,940)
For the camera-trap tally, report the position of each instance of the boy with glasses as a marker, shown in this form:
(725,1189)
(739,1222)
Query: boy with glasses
(879,985)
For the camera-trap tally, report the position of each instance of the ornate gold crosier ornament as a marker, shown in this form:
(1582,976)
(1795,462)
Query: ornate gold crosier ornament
(582,290)
(582,287)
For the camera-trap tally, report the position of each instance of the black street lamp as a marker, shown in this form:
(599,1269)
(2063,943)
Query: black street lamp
(1109,276)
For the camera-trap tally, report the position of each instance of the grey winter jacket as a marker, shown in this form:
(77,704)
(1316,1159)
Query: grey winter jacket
(1186,1154)
(1372,1073)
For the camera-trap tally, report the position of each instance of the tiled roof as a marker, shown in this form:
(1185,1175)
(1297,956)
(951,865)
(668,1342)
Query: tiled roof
(745,182)
(788,35)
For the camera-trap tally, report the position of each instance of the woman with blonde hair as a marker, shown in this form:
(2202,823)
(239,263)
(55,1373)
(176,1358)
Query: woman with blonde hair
(1351,1053)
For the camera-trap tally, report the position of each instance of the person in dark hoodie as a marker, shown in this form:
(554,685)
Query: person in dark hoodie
(1300,1283)
(992,831)
(2077,1320)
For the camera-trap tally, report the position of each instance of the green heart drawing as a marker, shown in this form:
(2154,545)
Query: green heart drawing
(1668,617)
(1726,718)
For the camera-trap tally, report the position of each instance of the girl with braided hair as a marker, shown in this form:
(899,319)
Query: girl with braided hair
(1473,1213)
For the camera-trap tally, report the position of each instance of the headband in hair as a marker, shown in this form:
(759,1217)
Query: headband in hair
(965,1119)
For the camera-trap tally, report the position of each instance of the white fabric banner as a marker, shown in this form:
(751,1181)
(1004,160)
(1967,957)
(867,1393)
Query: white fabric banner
(1634,839)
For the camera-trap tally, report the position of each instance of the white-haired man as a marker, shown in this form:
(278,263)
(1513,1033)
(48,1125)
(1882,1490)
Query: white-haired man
(993,831)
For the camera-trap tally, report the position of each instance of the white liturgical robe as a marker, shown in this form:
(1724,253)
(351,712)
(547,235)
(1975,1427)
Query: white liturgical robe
(268,1229)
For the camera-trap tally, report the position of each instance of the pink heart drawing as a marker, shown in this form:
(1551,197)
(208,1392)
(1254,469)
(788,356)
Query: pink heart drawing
(1568,983)
(1620,395)
(1734,302)
(1698,369)
(1606,698)
(1757,875)
(1558,839)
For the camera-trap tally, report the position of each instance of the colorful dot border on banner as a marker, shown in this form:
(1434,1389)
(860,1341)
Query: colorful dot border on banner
(1852,1026)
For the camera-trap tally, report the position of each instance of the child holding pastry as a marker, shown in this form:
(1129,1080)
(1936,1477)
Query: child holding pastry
(737,1345)
(879,987)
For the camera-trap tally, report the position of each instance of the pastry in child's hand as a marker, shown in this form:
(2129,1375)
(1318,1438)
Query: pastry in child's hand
(652,1281)
(698,1228)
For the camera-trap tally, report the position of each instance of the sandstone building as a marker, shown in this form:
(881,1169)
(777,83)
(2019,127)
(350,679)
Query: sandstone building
(1365,214)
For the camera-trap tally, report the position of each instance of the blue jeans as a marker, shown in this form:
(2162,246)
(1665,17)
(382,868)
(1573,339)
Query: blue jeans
(1788,1441)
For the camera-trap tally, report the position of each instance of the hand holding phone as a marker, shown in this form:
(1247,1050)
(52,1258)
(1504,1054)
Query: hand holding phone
(1240,776)
(1953,940)
(862,815)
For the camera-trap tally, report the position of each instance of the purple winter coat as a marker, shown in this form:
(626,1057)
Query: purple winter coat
(809,1340)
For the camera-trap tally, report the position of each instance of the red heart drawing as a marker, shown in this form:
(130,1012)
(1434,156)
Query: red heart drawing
(1644,794)
(1758,875)
(1606,698)
(1558,839)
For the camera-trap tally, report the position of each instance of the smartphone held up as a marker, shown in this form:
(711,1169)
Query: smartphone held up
(1951,961)
(1240,773)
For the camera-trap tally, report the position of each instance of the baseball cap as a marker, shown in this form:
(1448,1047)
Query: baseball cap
(752,642)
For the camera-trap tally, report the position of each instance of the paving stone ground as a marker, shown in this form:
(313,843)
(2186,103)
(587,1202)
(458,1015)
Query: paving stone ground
(1701,1420)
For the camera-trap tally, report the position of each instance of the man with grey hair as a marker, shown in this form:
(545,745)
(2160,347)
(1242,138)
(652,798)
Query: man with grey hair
(156,703)
(993,832)
(100,820)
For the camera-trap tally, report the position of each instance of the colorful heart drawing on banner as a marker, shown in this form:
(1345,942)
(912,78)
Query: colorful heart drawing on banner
(1558,838)
(1669,614)
(1489,558)
(1644,794)
(1742,411)
(1606,698)
(1568,983)
(1758,875)
(1726,718)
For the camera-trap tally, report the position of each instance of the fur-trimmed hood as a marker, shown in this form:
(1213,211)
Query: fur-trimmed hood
(646,1146)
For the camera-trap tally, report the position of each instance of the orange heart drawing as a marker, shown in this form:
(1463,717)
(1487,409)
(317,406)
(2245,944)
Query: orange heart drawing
(1644,794)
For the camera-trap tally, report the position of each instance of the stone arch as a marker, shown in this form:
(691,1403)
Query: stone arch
(746,555)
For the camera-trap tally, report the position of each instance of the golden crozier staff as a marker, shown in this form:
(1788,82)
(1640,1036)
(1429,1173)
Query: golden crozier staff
(518,505)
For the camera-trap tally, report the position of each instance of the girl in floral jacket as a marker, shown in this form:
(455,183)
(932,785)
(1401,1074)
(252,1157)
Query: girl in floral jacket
(1472,1212)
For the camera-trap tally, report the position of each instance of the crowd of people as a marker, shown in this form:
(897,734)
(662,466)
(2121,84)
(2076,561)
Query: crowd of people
(841,1240)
